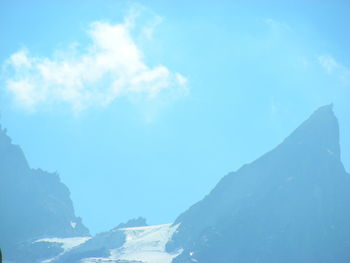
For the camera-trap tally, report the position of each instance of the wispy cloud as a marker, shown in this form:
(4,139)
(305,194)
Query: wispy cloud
(332,66)
(328,63)
(276,25)
(110,67)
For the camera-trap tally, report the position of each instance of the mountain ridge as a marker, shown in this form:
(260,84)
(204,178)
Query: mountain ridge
(290,205)
(268,198)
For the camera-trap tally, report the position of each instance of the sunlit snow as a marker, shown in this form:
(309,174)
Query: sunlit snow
(144,244)
(66,244)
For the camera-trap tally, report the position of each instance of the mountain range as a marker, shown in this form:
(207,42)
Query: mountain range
(291,205)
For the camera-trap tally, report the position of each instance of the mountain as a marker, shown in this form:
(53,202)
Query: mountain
(34,204)
(291,205)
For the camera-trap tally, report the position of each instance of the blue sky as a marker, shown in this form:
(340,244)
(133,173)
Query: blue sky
(141,107)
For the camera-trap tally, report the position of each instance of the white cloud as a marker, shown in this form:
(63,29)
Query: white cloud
(332,66)
(328,63)
(181,79)
(275,25)
(110,67)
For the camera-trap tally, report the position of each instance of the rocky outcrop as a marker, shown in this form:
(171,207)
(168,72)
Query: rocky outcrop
(33,204)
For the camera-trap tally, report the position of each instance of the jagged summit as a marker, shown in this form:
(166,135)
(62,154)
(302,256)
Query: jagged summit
(11,156)
(134,222)
(320,131)
(290,205)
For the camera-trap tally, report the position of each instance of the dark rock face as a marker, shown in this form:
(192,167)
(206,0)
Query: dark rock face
(291,205)
(33,203)
(134,222)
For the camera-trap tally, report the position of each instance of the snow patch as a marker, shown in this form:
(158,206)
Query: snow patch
(66,244)
(144,244)
(73,224)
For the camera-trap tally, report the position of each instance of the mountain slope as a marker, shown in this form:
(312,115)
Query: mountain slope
(291,205)
(33,204)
